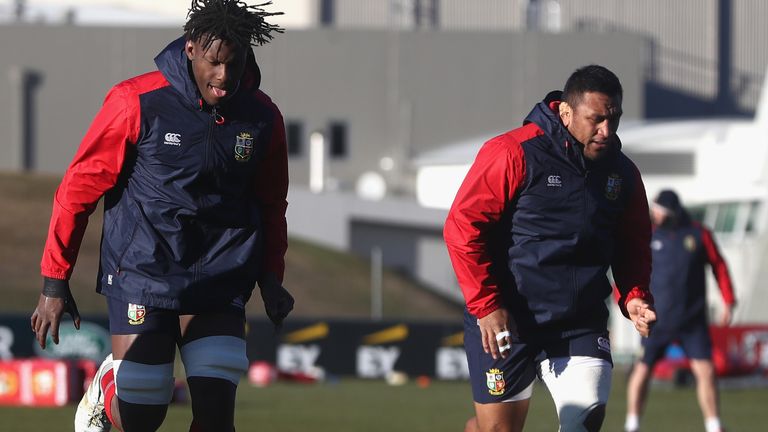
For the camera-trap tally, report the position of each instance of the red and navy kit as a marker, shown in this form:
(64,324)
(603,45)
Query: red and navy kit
(535,227)
(194,196)
(681,252)
(678,283)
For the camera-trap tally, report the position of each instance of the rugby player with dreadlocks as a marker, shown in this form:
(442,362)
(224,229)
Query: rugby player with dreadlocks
(191,162)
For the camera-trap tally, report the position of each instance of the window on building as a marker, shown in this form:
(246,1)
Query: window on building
(726,217)
(337,132)
(697,213)
(754,210)
(294,131)
(730,219)
(669,163)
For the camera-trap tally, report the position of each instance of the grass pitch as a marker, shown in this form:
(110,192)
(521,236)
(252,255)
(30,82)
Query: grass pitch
(373,406)
(338,406)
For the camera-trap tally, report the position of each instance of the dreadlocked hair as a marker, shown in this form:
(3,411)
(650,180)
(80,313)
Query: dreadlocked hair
(229,20)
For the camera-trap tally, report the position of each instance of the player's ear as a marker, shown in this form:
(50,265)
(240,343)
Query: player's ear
(190,50)
(566,113)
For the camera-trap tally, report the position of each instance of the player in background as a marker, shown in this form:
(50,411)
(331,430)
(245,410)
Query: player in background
(191,161)
(545,210)
(681,250)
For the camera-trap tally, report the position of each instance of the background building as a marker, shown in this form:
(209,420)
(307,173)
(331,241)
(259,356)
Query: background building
(383,89)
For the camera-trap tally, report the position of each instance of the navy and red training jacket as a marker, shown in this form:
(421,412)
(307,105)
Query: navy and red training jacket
(194,196)
(678,283)
(535,227)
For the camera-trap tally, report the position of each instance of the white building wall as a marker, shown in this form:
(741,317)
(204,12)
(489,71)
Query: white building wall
(296,13)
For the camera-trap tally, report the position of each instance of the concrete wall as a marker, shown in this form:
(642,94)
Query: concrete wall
(405,93)
(708,59)
(76,67)
(399,93)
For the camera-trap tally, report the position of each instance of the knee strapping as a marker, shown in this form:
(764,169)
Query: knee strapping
(594,419)
(575,418)
(143,384)
(221,357)
(580,388)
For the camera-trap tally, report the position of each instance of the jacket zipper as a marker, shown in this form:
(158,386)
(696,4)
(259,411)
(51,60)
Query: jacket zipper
(585,212)
(215,116)
(209,139)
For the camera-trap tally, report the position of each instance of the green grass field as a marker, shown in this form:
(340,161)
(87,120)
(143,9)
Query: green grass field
(356,405)
(314,276)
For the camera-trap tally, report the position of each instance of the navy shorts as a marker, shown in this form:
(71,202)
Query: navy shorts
(694,339)
(501,379)
(128,318)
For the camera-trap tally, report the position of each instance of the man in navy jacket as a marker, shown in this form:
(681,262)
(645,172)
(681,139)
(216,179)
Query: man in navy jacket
(191,161)
(544,212)
(681,250)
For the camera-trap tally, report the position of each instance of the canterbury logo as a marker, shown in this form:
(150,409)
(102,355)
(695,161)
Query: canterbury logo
(604,344)
(173,139)
(554,181)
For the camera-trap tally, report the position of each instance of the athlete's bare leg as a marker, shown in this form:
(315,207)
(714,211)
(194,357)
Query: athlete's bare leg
(706,387)
(499,417)
(637,388)
(471,425)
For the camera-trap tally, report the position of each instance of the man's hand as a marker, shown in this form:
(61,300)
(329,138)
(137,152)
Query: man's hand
(278,302)
(727,317)
(642,315)
(496,331)
(54,301)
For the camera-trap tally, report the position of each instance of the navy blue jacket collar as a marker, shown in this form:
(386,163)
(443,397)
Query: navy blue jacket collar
(548,120)
(172,63)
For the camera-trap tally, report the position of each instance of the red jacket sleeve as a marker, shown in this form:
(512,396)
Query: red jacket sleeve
(632,261)
(490,185)
(93,171)
(271,190)
(719,268)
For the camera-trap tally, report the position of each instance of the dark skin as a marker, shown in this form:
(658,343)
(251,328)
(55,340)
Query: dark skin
(593,122)
(47,317)
(216,71)
(211,398)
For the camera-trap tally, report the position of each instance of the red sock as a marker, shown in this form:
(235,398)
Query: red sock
(108,388)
